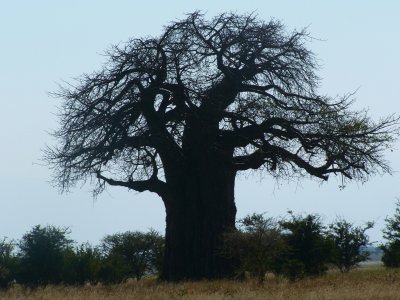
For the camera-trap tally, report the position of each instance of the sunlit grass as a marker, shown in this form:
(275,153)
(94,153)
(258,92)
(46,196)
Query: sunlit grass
(367,283)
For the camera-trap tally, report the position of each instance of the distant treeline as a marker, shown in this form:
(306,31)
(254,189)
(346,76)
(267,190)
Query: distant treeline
(294,247)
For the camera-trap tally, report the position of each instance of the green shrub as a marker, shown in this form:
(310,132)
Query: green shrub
(82,265)
(132,254)
(42,251)
(391,250)
(8,262)
(348,241)
(391,254)
(293,269)
(256,245)
(392,228)
(309,250)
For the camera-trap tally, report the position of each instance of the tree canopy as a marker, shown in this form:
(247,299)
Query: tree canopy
(250,83)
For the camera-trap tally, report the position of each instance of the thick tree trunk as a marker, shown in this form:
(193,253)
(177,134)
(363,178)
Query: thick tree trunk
(201,210)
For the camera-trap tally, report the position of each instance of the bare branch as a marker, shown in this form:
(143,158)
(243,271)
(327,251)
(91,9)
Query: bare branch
(153,185)
(236,89)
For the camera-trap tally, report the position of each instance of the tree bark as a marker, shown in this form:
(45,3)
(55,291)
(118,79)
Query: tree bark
(202,208)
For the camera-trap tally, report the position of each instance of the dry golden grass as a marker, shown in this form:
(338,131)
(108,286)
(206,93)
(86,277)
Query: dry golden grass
(372,283)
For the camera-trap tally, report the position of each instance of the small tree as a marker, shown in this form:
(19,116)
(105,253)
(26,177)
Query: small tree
(137,253)
(8,262)
(391,254)
(82,264)
(392,228)
(309,250)
(255,245)
(42,252)
(348,240)
(391,250)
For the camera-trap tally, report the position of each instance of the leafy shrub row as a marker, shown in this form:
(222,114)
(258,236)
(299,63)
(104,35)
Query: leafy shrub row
(46,255)
(295,247)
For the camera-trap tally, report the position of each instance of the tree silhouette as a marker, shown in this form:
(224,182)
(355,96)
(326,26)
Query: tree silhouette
(181,114)
(257,245)
(391,232)
(41,252)
(138,252)
(348,241)
(309,249)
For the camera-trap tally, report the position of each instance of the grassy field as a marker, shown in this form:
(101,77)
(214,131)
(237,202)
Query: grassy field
(366,283)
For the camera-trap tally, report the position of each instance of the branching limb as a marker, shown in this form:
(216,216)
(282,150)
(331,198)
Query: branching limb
(153,185)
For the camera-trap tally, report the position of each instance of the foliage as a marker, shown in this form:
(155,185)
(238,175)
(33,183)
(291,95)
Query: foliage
(8,262)
(82,264)
(46,256)
(134,253)
(256,244)
(391,254)
(42,251)
(391,250)
(348,240)
(392,228)
(309,250)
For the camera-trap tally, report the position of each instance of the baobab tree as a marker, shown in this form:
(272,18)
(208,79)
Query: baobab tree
(182,114)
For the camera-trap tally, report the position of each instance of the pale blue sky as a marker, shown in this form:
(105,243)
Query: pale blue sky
(45,42)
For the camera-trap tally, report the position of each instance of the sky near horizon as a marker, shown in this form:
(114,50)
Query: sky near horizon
(44,43)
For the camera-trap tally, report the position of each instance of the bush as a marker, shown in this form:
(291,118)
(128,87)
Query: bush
(292,269)
(309,250)
(42,251)
(132,254)
(82,265)
(256,245)
(391,250)
(392,228)
(8,263)
(391,254)
(348,240)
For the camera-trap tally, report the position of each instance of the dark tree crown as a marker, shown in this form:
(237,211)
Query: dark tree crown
(392,228)
(239,89)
